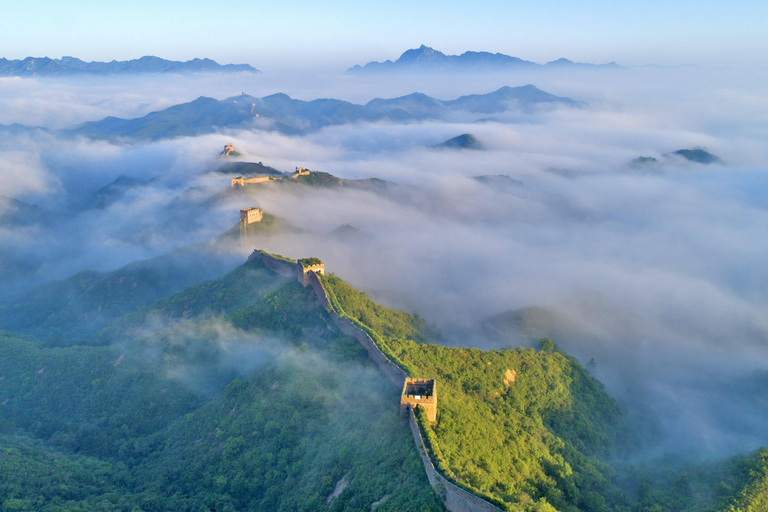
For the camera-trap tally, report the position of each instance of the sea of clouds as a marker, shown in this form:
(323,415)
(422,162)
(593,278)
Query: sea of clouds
(660,272)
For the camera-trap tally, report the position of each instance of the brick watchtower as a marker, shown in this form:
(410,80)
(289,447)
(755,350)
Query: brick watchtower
(420,392)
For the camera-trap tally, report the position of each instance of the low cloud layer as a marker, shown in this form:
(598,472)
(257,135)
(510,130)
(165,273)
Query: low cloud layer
(660,271)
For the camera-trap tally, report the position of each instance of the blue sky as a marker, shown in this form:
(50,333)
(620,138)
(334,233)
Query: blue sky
(341,33)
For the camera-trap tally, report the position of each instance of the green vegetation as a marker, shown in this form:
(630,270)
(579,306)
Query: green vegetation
(499,440)
(230,395)
(267,226)
(278,256)
(526,443)
(310,262)
(318,179)
(389,323)
(334,285)
(239,394)
(512,440)
(754,495)
(67,311)
(248,169)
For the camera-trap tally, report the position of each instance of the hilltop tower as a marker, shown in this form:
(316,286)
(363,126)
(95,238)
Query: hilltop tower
(229,150)
(421,392)
(251,215)
(307,265)
(300,171)
(248,216)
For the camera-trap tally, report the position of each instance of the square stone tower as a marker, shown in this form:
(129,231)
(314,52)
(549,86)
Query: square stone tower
(250,215)
(420,392)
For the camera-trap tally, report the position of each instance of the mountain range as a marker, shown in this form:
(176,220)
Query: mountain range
(34,66)
(426,59)
(284,114)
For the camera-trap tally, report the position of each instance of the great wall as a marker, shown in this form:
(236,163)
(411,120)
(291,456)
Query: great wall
(414,392)
(239,181)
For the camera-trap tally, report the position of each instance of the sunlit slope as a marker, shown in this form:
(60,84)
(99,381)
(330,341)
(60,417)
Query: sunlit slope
(233,394)
(518,441)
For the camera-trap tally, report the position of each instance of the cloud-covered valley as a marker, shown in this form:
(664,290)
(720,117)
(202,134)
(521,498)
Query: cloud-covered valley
(658,273)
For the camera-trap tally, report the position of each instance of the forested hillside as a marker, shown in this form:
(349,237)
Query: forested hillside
(532,430)
(231,395)
(240,394)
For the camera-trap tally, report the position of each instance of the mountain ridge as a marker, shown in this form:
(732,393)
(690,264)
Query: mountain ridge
(425,58)
(279,112)
(66,66)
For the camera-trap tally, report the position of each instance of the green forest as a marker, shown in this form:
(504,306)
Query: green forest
(545,441)
(230,395)
(239,394)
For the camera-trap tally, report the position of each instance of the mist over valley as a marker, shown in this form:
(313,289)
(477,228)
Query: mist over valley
(618,214)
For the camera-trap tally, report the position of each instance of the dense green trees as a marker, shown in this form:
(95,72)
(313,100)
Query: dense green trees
(541,441)
(240,394)
(231,395)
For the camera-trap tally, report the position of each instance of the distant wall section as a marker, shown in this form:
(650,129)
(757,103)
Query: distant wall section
(239,181)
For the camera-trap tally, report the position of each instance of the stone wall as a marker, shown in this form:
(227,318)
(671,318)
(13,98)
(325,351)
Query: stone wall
(317,286)
(278,266)
(393,372)
(304,272)
(240,181)
(454,498)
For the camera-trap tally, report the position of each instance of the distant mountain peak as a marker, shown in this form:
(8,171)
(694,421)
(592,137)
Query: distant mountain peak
(425,58)
(698,155)
(290,116)
(463,141)
(422,53)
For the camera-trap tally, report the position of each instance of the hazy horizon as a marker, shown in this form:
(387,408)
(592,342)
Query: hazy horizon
(338,35)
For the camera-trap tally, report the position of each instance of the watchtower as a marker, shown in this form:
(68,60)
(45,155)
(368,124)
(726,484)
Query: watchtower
(307,265)
(250,215)
(229,150)
(238,181)
(300,171)
(420,392)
